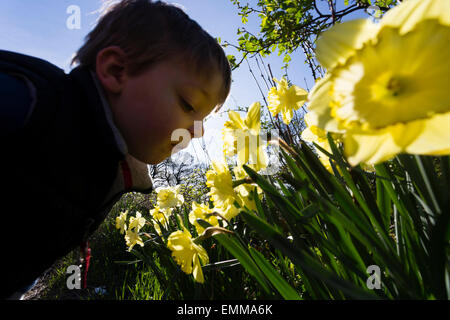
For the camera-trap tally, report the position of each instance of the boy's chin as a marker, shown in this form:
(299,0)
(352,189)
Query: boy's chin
(157,155)
(153,158)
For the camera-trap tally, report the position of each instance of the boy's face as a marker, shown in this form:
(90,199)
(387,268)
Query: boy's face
(149,107)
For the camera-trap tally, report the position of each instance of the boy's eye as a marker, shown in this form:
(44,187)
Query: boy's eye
(186,106)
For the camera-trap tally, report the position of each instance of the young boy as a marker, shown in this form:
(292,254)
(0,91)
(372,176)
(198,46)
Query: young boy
(74,143)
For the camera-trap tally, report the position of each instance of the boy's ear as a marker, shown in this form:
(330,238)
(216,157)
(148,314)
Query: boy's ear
(111,69)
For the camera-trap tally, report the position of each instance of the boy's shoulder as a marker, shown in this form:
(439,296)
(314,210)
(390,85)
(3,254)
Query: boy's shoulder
(54,92)
(15,60)
(67,121)
(16,101)
(27,61)
(43,79)
(63,162)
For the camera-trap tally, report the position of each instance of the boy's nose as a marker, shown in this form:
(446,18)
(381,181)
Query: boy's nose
(196,130)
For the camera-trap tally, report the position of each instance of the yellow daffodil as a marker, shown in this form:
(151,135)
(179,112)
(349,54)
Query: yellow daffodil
(121,222)
(222,194)
(169,197)
(187,254)
(386,87)
(243,190)
(315,134)
(319,136)
(285,99)
(132,238)
(161,216)
(137,222)
(202,211)
(242,137)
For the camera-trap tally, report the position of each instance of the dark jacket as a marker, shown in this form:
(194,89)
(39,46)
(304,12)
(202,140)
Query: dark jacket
(62,169)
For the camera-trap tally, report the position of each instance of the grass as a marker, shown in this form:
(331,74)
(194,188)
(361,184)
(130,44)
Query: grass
(107,247)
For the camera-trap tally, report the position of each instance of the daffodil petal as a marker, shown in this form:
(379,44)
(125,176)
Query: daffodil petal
(337,44)
(253,119)
(197,271)
(185,260)
(434,138)
(287,116)
(262,160)
(236,120)
(370,148)
(319,114)
(407,15)
(425,136)
(308,135)
(204,258)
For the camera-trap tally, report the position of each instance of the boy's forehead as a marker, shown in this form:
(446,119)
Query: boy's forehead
(210,92)
(207,81)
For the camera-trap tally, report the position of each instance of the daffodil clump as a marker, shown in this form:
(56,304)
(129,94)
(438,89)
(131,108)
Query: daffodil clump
(229,195)
(132,236)
(385,92)
(386,87)
(188,254)
(241,137)
(121,222)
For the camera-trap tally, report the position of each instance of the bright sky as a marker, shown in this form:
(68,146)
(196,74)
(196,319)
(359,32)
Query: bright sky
(38,28)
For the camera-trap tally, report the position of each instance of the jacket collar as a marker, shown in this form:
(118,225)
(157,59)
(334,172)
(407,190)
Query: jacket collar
(132,174)
(120,141)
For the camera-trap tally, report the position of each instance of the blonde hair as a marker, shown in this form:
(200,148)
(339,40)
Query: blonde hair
(149,32)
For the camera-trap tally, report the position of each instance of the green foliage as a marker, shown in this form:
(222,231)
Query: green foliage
(313,236)
(288,25)
(340,224)
(153,274)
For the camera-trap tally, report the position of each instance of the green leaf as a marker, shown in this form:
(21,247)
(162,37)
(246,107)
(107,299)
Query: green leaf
(286,291)
(303,260)
(239,252)
(384,203)
(286,58)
